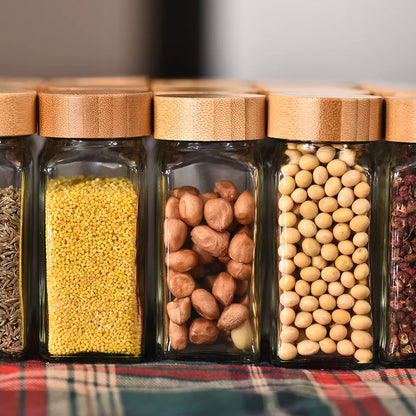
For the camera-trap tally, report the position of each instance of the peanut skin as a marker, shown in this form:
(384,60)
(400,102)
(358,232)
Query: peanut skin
(205,196)
(179,310)
(190,209)
(218,214)
(172,208)
(182,260)
(223,288)
(176,232)
(180,285)
(233,316)
(241,248)
(205,304)
(240,271)
(244,208)
(178,335)
(211,241)
(241,287)
(203,331)
(179,192)
(226,190)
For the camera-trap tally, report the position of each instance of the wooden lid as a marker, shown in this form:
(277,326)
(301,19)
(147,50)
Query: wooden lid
(343,118)
(312,90)
(25,83)
(401,119)
(95,114)
(210,89)
(17,112)
(209,117)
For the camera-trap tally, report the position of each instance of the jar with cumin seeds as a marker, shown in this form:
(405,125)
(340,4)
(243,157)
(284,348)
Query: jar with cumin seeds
(398,321)
(17,123)
(92,224)
(209,210)
(324,212)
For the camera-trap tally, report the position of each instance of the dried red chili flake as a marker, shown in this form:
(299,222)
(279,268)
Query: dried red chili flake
(403,266)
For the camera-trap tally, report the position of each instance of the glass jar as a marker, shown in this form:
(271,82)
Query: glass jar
(92,224)
(17,122)
(398,320)
(325,252)
(209,210)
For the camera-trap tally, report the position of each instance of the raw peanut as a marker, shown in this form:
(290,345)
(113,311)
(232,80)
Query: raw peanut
(205,196)
(176,232)
(242,336)
(245,230)
(205,304)
(190,209)
(178,192)
(233,316)
(172,208)
(178,335)
(182,260)
(241,248)
(211,241)
(223,288)
(181,285)
(218,214)
(179,310)
(240,271)
(244,208)
(227,190)
(241,287)
(224,259)
(203,256)
(203,331)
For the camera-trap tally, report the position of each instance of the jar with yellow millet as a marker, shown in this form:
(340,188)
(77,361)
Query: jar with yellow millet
(325,252)
(92,224)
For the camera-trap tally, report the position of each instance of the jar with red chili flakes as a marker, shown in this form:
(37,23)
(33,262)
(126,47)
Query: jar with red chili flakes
(398,327)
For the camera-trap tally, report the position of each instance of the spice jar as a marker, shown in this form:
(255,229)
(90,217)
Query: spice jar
(324,182)
(209,195)
(398,326)
(92,223)
(17,123)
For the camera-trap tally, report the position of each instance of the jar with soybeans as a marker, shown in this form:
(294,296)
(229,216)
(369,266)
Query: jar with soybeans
(398,319)
(209,187)
(17,123)
(325,253)
(92,224)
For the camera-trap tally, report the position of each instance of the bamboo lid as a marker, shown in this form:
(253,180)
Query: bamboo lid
(401,119)
(209,117)
(95,114)
(341,118)
(17,112)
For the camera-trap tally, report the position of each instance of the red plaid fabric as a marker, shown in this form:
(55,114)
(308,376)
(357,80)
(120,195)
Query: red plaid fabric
(35,388)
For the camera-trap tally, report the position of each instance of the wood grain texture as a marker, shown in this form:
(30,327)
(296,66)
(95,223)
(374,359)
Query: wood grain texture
(95,114)
(210,117)
(401,119)
(325,118)
(17,112)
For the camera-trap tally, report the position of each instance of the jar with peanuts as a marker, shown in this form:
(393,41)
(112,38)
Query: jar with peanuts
(17,124)
(398,318)
(93,221)
(209,187)
(325,252)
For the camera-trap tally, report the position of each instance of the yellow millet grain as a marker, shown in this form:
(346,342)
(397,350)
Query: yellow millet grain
(91,266)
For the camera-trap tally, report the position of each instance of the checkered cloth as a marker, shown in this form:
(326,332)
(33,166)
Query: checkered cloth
(34,388)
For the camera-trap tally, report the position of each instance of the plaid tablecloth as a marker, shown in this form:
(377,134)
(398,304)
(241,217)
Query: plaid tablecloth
(34,388)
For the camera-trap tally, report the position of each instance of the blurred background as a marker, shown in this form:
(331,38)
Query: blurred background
(344,40)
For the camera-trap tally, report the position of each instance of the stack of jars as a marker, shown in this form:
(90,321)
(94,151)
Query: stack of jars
(305,243)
